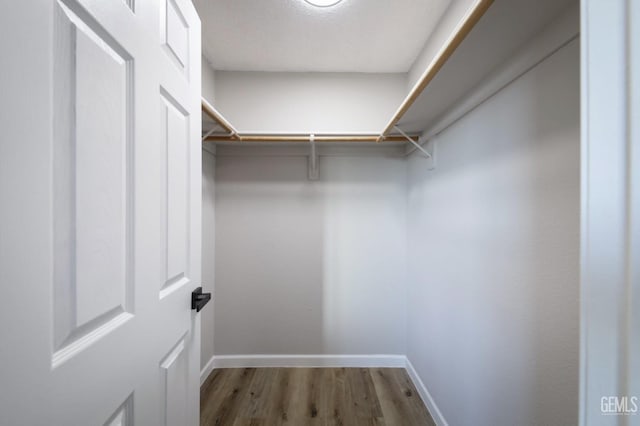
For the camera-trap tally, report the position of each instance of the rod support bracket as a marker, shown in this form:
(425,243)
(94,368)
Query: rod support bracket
(209,133)
(428,151)
(314,172)
(429,145)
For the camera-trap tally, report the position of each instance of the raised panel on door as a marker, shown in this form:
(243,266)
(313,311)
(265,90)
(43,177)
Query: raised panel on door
(174,368)
(131,4)
(175,34)
(175,146)
(123,416)
(92,184)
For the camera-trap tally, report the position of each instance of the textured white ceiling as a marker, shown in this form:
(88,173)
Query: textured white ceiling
(291,35)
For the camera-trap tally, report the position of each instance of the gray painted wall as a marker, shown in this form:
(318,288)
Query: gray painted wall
(208,82)
(308,267)
(308,102)
(493,248)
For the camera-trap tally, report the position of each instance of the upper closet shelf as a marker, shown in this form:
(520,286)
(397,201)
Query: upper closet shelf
(479,57)
(463,28)
(390,134)
(216,128)
(512,37)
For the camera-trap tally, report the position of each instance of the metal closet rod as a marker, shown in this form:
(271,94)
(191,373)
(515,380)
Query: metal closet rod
(234,136)
(272,137)
(464,28)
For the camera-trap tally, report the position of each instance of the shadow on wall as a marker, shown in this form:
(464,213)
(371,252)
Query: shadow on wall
(494,245)
(309,267)
(269,274)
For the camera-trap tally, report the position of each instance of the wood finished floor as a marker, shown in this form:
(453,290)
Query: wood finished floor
(311,396)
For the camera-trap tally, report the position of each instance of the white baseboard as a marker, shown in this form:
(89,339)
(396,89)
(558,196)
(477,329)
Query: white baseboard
(207,369)
(425,395)
(243,361)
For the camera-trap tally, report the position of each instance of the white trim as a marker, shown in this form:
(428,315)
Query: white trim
(435,412)
(206,370)
(610,207)
(370,361)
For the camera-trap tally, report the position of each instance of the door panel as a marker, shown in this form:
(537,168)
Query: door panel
(123,415)
(175,391)
(175,137)
(99,231)
(91,183)
(91,155)
(101,184)
(175,34)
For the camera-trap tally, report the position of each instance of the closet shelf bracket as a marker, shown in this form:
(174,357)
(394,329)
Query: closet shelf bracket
(429,152)
(209,133)
(314,171)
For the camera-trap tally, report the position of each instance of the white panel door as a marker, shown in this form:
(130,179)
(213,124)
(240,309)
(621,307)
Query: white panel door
(100,220)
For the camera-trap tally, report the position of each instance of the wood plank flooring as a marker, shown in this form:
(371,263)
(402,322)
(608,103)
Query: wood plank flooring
(311,396)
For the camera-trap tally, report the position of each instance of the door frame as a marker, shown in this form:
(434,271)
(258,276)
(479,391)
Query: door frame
(610,210)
